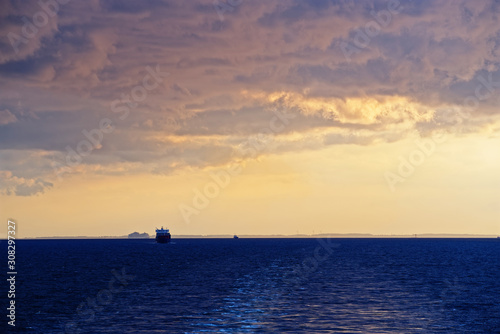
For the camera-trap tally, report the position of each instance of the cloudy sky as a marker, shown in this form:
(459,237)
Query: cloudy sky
(250,116)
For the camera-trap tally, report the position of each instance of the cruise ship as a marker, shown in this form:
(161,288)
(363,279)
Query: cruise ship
(162,235)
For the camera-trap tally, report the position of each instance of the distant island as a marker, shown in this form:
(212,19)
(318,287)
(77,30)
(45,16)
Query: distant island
(137,235)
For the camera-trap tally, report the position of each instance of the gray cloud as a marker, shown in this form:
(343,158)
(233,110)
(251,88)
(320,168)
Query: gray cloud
(12,185)
(226,78)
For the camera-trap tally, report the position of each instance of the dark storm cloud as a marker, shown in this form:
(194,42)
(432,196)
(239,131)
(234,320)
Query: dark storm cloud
(227,76)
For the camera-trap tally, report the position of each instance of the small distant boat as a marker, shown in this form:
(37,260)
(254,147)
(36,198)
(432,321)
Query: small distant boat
(235,237)
(162,236)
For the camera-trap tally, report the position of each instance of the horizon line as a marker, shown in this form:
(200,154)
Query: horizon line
(263,236)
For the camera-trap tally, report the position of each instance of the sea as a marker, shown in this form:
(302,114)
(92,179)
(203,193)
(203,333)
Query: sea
(278,285)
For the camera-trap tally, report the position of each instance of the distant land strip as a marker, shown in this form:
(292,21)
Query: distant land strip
(322,235)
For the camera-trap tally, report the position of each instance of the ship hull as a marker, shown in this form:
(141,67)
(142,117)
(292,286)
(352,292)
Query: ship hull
(163,239)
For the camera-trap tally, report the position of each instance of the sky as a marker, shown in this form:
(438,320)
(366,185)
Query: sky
(249,117)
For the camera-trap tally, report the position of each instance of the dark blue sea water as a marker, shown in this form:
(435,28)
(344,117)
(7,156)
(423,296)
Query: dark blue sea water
(257,286)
